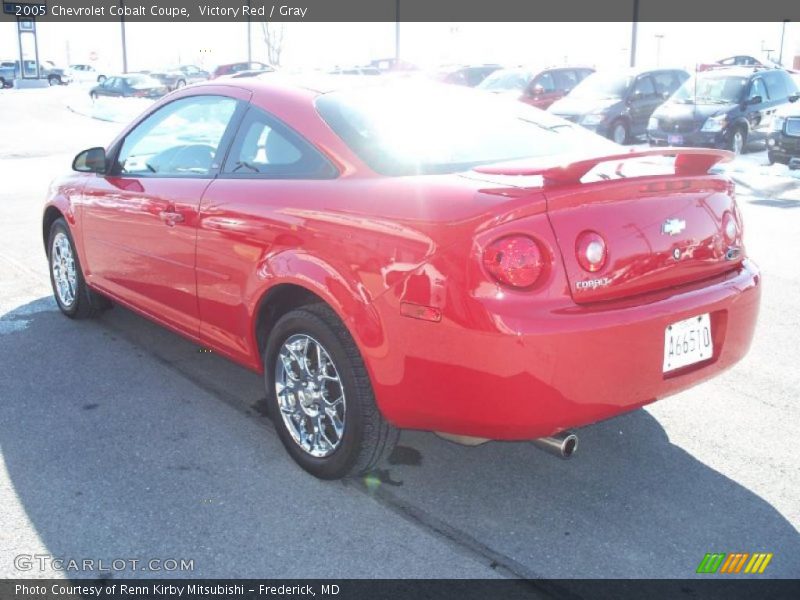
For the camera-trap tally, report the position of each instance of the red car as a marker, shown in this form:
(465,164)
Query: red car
(409,255)
(537,87)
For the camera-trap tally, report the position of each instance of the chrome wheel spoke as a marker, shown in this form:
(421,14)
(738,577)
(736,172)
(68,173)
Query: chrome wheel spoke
(64,270)
(310,395)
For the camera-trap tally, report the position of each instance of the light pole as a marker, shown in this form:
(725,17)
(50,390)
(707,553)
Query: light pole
(659,37)
(783,35)
(249,42)
(124,46)
(634,26)
(397,32)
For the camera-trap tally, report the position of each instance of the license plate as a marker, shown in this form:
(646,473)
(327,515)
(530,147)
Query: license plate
(674,139)
(687,342)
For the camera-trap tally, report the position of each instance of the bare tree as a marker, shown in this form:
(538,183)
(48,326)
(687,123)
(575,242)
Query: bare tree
(273,39)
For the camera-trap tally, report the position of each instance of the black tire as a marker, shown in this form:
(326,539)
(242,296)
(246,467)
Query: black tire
(93,95)
(2,83)
(101,78)
(87,303)
(622,126)
(180,83)
(733,142)
(54,80)
(367,437)
(771,158)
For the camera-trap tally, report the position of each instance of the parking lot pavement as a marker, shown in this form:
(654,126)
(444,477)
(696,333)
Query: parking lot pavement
(122,440)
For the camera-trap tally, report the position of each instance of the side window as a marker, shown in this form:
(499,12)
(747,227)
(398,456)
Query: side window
(565,79)
(264,147)
(644,87)
(118,83)
(180,139)
(776,88)
(546,82)
(666,82)
(757,88)
(583,74)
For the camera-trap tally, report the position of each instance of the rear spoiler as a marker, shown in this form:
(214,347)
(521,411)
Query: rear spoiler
(563,170)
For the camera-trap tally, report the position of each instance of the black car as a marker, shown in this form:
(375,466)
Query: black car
(136,85)
(722,108)
(618,104)
(783,143)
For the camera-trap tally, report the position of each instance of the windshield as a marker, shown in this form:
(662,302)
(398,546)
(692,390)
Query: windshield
(408,128)
(711,88)
(507,80)
(602,85)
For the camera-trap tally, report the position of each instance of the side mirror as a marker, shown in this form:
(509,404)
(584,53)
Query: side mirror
(92,160)
(755,100)
(794,97)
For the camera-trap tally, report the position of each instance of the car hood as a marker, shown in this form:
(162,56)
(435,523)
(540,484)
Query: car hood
(790,110)
(678,111)
(582,106)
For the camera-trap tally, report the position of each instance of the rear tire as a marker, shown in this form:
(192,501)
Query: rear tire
(75,299)
(291,360)
(54,80)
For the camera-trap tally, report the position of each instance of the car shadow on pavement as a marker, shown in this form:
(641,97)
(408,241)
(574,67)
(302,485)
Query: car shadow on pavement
(112,453)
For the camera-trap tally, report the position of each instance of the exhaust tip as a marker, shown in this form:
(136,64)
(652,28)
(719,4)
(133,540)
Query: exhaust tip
(563,444)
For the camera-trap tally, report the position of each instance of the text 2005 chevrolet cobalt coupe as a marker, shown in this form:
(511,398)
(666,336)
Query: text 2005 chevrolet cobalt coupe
(406,255)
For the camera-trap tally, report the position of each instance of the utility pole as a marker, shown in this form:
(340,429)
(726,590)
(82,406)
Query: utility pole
(783,35)
(249,40)
(124,44)
(634,27)
(397,32)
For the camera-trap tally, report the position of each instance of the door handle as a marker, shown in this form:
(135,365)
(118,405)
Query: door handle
(170,217)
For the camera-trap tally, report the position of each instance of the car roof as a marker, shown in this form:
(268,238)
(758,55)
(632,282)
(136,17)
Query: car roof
(739,71)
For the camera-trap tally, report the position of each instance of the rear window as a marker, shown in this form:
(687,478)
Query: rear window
(409,129)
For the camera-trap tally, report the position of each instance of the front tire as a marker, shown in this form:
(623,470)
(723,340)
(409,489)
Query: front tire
(320,396)
(738,141)
(75,299)
(619,132)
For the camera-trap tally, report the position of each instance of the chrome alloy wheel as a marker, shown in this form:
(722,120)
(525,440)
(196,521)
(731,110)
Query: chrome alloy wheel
(310,395)
(62,262)
(738,141)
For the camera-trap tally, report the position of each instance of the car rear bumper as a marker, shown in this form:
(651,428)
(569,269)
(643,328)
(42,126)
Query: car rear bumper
(532,377)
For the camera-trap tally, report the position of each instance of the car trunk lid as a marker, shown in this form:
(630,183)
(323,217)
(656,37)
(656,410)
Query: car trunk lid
(660,230)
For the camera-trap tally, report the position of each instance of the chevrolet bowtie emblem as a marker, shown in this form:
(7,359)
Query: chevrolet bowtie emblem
(673,226)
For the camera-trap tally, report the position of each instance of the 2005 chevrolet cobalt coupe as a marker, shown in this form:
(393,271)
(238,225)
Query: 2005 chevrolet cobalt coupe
(407,255)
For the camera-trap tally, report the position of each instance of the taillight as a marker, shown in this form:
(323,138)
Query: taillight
(590,248)
(730,227)
(515,260)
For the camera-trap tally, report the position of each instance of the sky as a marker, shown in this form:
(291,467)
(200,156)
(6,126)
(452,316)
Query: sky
(325,45)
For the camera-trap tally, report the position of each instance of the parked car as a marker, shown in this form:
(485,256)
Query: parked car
(618,104)
(468,75)
(537,87)
(233,68)
(722,108)
(135,85)
(392,65)
(10,70)
(409,255)
(86,74)
(7,74)
(354,71)
(783,144)
(181,76)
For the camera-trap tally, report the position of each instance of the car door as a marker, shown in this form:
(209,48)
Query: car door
(270,190)
(643,101)
(757,109)
(139,221)
(542,90)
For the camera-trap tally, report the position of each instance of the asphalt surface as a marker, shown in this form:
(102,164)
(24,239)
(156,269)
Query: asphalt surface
(121,440)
